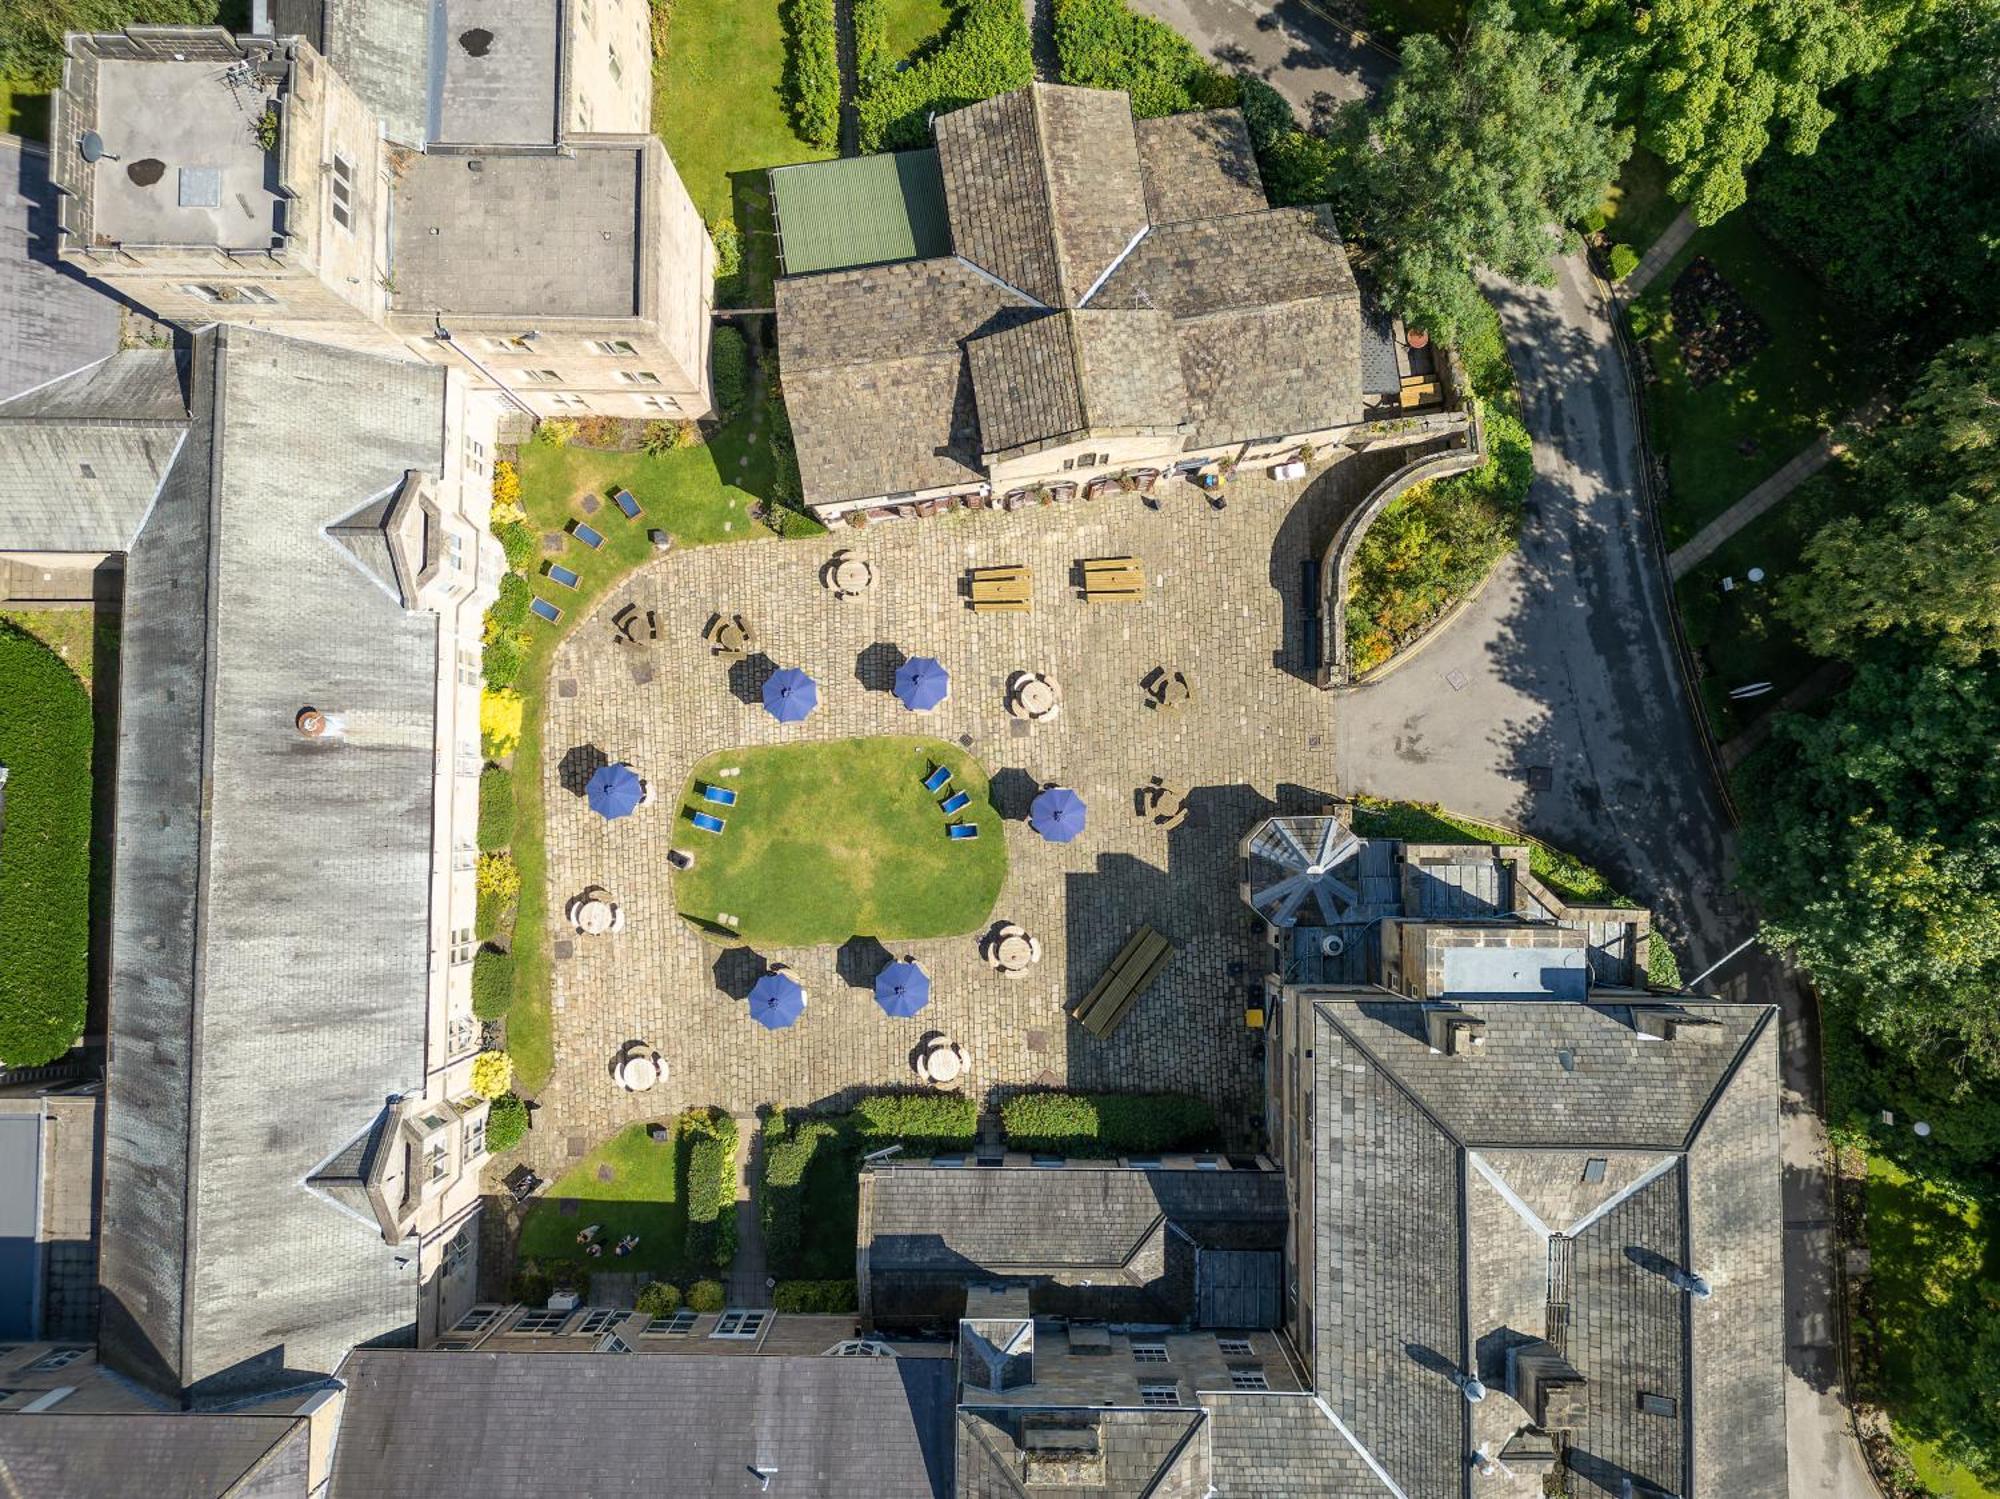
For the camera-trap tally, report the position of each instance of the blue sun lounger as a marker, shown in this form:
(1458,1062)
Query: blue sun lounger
(938,779)
(584,534)
(957,802)
(958,830)
(706,823)
(722,796)
(557,573)
(543,609)
(624,501)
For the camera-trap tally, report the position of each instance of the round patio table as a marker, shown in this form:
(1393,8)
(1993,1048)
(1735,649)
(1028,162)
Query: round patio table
(1037,697)
(639,1073)
(852,575)
(595,916)
(942,1062)
(1015,951)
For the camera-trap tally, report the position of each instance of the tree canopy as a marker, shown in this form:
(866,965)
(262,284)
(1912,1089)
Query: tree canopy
(1710,81)
(1484,152)
(1925,558)
(1898,211)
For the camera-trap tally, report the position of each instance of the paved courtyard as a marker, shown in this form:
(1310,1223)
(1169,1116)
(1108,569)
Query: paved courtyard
(1224,604)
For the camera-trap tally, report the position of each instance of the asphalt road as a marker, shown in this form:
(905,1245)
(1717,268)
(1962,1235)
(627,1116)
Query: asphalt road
(1555,704)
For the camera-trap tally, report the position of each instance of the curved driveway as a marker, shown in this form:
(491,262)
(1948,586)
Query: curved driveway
(1554,703)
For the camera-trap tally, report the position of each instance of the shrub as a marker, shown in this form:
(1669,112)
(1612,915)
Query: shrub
(729,369)
(1078,1123)
(985,51)
(492,1073)
(1663,969)
(658,1298)
(1624,261)
(498,877)
(816,1296)
(556,431)
(919,1120)
(1103,44)
(661,26)
(45,733)
(869,21)
(533,1282)
(496,807)
(509,610)
(506,1122)
(267,130)
(811,82)
(788,1155)
(728,263)
(663,437)
(711,1187)
(492,982)
(500,713)
(507,493)
(517,539)
(706,1296)
(500,664)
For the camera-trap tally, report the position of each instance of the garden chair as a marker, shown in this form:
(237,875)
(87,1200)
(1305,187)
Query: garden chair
(625,502)
(543,609)
(938,779)
(958,830)
(706,822)
(957,802)
(722,796)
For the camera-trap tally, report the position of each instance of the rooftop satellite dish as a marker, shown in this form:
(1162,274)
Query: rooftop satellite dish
(91,147)
(1332,944)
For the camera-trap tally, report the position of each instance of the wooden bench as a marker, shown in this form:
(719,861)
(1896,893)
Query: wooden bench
(998,588)
(1131,973)
(1417,390)
(1109,580)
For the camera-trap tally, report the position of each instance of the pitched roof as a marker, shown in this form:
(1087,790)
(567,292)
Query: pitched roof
(136,1456)
(1072,372)
(1264,1443)
(475,1425)
(1014,1453)
(1257,259)
(1198,165)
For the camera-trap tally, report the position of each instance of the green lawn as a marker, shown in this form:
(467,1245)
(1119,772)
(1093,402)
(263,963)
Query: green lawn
(77,635)
(1819,365)
(644,1196)
(24,109)
(911,23)
(834,840)
(1739,636)
(717,107)
(1926,1246)
(1637,210)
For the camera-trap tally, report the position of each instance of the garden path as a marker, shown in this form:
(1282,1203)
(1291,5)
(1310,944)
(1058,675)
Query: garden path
(1658,255)
(749,1272)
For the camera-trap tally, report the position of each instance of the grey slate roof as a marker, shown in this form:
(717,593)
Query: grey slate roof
(82,457)
(54,1456)
(1153,1453)
(1071,372)
(271,894)
(1198,165)
(1264,1444)
(381,47)
(55,321)
(524,1426)
(1260,259)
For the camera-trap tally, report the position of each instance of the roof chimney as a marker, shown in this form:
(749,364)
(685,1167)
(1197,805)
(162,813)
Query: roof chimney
(1453,1032)
(1668,1023)
(311,722)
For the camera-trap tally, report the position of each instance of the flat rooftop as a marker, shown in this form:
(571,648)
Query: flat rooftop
(865,210)
(189,170)
(493,72)
(507,235)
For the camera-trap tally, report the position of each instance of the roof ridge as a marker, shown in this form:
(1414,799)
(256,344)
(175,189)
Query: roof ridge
(1048,192)
(1728,1078)
(1382,1068)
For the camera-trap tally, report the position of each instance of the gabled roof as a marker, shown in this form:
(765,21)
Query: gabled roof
(1198,165)
(1019,1453)
(1068,373)
(471,1425)
(55,1456)
(1265,1444)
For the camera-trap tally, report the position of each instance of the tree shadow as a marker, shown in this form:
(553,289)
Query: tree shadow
(859,959)
(1011,791)
(747,676)
(876,666)
(578,765)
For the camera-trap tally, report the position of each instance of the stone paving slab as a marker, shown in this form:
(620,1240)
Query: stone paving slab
(1224,604)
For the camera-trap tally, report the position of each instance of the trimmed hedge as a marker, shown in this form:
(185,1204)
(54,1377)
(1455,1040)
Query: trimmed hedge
(869,20)
(711,1187)
(496,808)
(658,1298)
(1103,44)
(816,1296)
(506,1122)
(788,1155)
(706,1296)
(919,1120)
(729,369)
(1624,261)
(984,51)
(492,983)
(1106,1123)
(811,81)
(45,734)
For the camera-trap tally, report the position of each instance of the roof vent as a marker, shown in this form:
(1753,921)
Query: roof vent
(1332,945)
(1453,1032)
(311,722)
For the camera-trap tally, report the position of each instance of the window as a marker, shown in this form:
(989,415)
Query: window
(249,293)
(454,551)
(589,16)
(638,377)
(597,1318)
(1149,1353)
(617,68)
(460,1247)
(739,1324)
(571,403)
(479,1318)
(1089,460)
(475,1138)
(541,377)
(343,192)
(1207,1163)
(1234,1347)
(1048,1161)
(507,345)
(60,1358)
(1068,464)
(659,403)
(611,346)
(1248,1377)
(679,1325)
(859,1348)
(437,1161)
(1159,1394)
(583,113)
(1593,1169)
(463,945)
(540,1320)
(947,1162)
(1658,1405)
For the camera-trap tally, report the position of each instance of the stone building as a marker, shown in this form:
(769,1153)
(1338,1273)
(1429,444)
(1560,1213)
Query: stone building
(1058,300)
(499,208)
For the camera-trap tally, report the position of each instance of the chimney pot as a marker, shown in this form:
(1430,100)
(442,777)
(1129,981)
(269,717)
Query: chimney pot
(311,722)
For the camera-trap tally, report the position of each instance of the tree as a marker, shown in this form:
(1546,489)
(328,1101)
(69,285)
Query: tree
(1710,80)
(1898,211)
(1484,152)
(1926,557)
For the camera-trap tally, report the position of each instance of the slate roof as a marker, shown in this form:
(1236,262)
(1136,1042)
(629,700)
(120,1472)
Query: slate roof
(135,1456)
(1262,1444)
(474,1425)
(271,894)
(1198,165)
(380,47)
(1153,1453)
(1072,372)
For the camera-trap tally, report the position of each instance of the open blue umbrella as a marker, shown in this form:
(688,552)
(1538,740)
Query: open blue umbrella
(921,684)
(615,791)
(1057,814)
(790,695)
(776,1001)
(902,989)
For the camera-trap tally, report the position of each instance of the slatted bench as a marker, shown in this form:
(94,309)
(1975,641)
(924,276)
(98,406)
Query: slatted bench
(1131,973)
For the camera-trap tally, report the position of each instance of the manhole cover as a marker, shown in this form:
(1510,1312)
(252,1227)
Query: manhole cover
(1457,678)
(1312,741)
(605,1174)
(1037,1040)
(566,687)
(1539,777)
(642,674)
(1018,728)
(965,741)
(565,949)
(589,504)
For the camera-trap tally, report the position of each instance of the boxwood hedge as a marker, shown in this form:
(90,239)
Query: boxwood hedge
(1106,1123)
(711,1187)
(984,51)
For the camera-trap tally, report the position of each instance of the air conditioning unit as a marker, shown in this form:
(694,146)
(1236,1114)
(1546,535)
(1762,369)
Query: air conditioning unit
(564,1301)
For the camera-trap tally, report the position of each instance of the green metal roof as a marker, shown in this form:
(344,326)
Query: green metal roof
(865,210)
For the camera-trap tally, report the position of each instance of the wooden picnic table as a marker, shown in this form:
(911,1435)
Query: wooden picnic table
(1113,579)
(1001,588)
(1131,973)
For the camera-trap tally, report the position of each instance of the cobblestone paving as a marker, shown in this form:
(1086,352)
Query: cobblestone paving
(1224,604)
